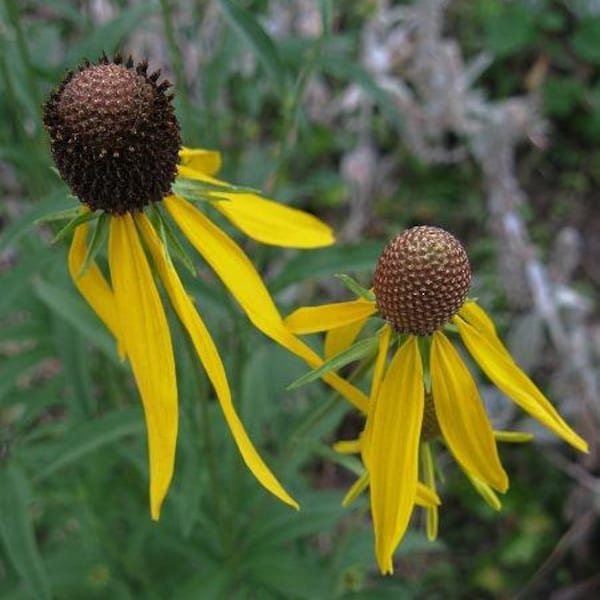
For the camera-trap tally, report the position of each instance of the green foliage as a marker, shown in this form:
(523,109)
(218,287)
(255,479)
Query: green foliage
(74,519)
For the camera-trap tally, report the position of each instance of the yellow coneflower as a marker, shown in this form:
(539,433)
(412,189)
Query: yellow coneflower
(116,143)
(421,284)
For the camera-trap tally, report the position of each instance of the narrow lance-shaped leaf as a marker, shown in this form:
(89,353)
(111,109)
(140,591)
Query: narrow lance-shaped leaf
(356,352)
(17,532)
(355,287)
(247,25)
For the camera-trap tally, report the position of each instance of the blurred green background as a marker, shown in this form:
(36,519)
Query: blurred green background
(302,98)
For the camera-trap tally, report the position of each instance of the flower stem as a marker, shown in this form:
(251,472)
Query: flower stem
(207,436)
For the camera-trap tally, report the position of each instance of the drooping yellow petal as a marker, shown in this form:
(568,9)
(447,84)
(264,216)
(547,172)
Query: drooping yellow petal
(264,220)
(199,159)
(357,488)
(461,415)
(310,319)
(378,370)
(341,338)
(486,492)
(187,172)
(240,277)
(429,477)
(425,497)
(91,284)
(513,437)
(394,450)
(496,362)
(347,446)
(273,223)
(474,314)
(210,359)
(145,332)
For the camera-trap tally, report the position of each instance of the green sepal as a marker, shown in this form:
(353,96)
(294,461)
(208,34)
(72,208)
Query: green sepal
(201,191)
(59,215)
(171,242)
(98,238)
(424,343)
(75,222)
(355,288)
(357,351)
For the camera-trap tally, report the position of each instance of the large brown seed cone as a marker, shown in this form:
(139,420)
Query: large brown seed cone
(114,135)
(421,280)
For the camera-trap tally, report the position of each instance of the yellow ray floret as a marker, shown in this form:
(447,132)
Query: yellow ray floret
(145,334)
(210,359)
(478,335)
(425,496)
(341,338)
(311,319)
(272,223)
(264,220)
(91,284)
(394,450)
(240,277)
(199,159)
(378,370)
(461,415)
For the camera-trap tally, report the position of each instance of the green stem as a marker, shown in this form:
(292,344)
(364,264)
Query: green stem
(207,437)
(291,107)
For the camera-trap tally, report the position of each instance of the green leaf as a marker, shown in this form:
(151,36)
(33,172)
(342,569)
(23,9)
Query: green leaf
(92,435)
(68,305)
(357,351)
(250,29)
(59,215)
(15,284)
(586,40)
(11,369)
(17,532)
(171,242)
(354,287)
(202,191)
(23,225)
(348,461)
(327,262)
(73,223)
(319,511)
(108,36)
(353,72)
(512,30)
(98,238)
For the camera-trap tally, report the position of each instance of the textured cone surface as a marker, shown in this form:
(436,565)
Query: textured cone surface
(421,280)
(114,135)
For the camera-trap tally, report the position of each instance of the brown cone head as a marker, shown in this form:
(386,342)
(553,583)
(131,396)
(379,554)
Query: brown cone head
(114,135)
(421,280)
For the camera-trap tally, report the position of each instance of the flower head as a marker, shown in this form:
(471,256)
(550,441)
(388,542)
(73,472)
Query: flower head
(426,390)
(115,140)
(421,280)
(114,135)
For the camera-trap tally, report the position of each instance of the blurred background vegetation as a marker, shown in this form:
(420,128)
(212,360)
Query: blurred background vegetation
(322,105)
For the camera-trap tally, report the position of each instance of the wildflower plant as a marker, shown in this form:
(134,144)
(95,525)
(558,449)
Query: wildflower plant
(115,140)
(425,391)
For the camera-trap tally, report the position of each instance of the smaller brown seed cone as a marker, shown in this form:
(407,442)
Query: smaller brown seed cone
(114,135)
(421,280)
